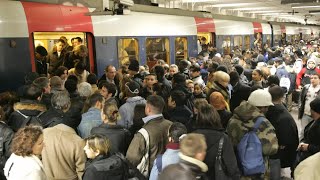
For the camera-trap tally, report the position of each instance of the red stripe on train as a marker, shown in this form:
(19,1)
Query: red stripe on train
(52,18)
(257,27)
(205,24)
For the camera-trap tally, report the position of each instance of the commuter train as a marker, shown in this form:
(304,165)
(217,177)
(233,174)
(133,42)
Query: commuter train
(113,39)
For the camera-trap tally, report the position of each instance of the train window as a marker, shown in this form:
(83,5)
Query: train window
(226,45)
(157,48)
(247,42)
(128,48)
(237,42)
(181,48)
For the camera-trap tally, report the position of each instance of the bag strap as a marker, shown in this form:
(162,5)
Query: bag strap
(27,119)
(159,163)
(146,137)
(257,123)
(220,147)
(1,140)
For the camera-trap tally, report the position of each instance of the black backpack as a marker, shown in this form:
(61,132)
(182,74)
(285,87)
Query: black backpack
(130,172)
(34,120)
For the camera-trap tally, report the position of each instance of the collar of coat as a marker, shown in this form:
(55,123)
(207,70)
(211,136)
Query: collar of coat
(202,165)
(29,105)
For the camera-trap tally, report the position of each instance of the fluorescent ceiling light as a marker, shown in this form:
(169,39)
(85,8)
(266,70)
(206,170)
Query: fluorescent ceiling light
(231,5)
(250,9)
(258,12)
(197,1)
(306,5)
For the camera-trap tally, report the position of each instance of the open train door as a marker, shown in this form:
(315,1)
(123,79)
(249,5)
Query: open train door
(206,32)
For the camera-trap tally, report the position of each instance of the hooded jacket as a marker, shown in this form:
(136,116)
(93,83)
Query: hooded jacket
(304,75)
(244,118)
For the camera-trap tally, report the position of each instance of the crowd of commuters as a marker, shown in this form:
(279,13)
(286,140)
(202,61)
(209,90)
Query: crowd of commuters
(182,121)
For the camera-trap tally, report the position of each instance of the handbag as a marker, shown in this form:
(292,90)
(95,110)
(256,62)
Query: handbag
(219,166)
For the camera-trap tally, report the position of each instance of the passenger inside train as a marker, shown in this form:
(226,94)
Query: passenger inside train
(164,107)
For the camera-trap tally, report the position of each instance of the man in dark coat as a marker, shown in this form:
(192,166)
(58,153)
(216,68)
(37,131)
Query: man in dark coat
(286,131)
(29,106)
(240,91)
(40,58)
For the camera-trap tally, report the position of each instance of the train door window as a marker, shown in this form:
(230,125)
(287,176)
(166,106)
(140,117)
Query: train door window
(268,41)
(128,48)
(226,45)
(49,39)
(181,48)
(237,42)
(156,49)
(247,42)
(277,38)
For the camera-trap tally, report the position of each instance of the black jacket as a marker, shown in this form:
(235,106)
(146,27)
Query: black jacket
(41,67)
(26,107)
(225,117)
(51,117)
(212,139)
(120,138)
(311,136)
(239,93)
(287,134)
(181,114)
(7,134)
(104,168)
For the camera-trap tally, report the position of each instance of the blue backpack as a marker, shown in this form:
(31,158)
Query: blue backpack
(250,152)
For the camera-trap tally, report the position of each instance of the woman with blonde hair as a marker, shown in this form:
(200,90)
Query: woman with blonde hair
(24,162)
(119,137)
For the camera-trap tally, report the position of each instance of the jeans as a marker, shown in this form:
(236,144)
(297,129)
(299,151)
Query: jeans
(275,169)
(304,122)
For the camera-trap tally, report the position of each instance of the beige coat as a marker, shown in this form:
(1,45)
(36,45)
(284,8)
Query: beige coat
(63,156)
(308,169)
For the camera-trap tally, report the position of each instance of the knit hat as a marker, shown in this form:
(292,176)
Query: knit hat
(133,87)
(315,105)
(217,101)
(134,65)
(260,98)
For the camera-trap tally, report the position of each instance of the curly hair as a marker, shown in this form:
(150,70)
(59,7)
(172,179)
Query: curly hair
(25,139)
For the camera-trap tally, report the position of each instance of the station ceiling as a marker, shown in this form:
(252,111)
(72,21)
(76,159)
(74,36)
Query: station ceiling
(297,11)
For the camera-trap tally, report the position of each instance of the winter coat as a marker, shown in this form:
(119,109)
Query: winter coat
(24,168)
(127,109)
(240,92)
(169,157)
(157,129)
(120,138)
(181,114)
(213,137)
(52,117)
(287,134)
(304,75)
(104,168)
(244,117)
(302,100)
(26,107)
(7,135)
(187,169)
(224,117)
(311,137)
(89,120)
(308,169)
(63,156)
(71,60)
(41,67)
(55,61)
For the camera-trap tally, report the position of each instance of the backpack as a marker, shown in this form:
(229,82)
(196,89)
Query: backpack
(250,151)
(34,120)
(130,172)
